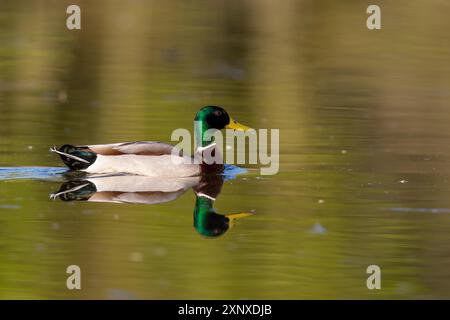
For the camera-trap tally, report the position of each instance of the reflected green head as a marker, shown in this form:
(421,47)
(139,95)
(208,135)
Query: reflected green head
(206,221)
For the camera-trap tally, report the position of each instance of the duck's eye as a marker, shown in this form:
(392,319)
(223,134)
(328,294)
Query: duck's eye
(217,113)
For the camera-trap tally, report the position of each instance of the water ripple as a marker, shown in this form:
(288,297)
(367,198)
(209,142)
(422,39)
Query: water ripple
(14,173)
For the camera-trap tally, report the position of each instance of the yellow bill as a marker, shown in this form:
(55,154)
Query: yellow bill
(237,126)
(235,216)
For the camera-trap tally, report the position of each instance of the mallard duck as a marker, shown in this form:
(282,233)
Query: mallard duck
(124,189)
(207,221)
(151,190)
(149,158)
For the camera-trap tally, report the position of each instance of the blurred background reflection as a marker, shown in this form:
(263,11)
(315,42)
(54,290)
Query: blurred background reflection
(364,142)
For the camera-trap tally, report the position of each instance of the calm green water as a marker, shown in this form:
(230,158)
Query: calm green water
(364,141)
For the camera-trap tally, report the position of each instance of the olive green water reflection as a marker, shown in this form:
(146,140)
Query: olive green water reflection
(363,118)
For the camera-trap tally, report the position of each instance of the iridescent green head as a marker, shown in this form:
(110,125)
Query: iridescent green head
(214,117)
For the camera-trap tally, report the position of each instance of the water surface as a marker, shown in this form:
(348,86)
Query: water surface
(364,140)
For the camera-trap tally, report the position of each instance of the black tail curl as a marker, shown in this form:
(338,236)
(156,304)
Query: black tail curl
(85,156)
(78,190)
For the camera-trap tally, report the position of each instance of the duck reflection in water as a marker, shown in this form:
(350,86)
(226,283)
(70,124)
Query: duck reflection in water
(150,190)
